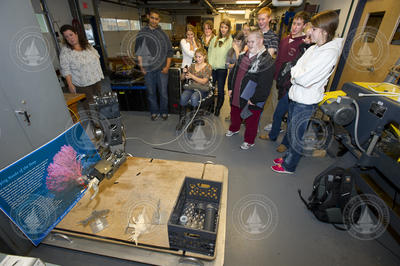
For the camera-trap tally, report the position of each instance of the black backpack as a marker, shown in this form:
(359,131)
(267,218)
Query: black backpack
(331,192)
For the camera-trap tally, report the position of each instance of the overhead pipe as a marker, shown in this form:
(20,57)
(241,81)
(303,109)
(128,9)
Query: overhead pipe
(261,5)
(213,9)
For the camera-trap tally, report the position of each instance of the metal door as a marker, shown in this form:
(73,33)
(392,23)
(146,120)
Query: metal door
(33,106)
(372,54)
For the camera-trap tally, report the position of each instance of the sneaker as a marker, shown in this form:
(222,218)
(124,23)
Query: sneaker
(319,153)
(279,169)
(164,116)
(268,127)
(281,148)
(278,161)
(264,137)
(231,133)
(154,117)
(246,146)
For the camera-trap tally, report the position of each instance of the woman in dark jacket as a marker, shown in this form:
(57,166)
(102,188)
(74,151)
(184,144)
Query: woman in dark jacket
(249,88)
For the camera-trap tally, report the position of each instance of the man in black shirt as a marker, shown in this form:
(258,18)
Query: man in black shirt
(154,51)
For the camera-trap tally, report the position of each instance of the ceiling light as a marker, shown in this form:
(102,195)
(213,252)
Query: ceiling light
(236,11)
(169,2)
(248,2)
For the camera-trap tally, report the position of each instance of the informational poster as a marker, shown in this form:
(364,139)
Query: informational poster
(38,190)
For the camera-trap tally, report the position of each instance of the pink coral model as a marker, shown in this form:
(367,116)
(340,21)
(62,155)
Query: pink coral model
(65,171)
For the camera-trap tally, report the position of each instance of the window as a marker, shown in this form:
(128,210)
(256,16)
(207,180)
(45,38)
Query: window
(372,27)
(117,24)
(109,24)
(166,26)
(123,24)
(135,24)
(42,22)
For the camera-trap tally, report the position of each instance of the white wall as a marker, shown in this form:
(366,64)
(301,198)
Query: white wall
(344,6)
(117,11)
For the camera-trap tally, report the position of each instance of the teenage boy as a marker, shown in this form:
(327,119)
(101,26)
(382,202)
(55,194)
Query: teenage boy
(154,51)
(271,40)
(271,43)
(289,50)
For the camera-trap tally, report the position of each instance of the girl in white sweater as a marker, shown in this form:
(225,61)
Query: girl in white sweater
(309,77)
(189,45)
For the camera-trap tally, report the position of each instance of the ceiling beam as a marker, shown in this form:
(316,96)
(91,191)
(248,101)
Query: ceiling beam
(210,6)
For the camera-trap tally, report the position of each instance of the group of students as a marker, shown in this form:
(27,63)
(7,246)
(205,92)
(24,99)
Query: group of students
(311,62)
(256,61)
(293,71)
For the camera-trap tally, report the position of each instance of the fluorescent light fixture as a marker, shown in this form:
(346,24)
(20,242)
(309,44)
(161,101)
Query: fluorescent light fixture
(220,8)
(287,3)
(169,2)
(236,12)
(248,2)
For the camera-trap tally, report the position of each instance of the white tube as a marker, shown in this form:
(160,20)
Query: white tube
(356,125)
(378,94)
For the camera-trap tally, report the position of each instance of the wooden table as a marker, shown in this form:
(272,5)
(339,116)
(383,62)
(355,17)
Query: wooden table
(72,100)
(140,181)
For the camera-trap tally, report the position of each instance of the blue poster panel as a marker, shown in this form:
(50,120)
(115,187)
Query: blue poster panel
(38,190)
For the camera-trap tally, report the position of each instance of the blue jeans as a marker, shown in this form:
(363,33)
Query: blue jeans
(219,76)
(298,119)
(193,96)
(280,111)
(156,80)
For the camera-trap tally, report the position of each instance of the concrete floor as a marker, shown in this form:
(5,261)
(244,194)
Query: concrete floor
(297,239)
